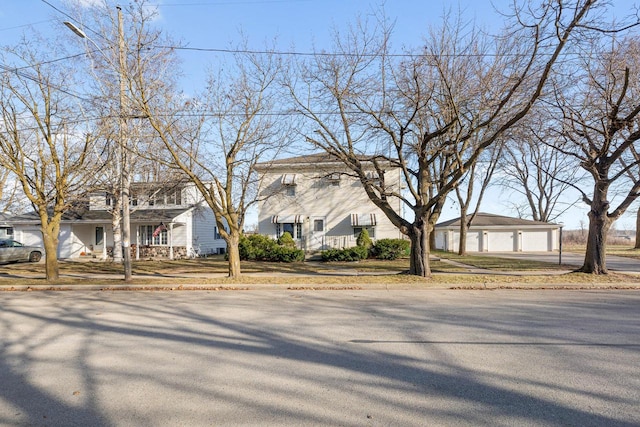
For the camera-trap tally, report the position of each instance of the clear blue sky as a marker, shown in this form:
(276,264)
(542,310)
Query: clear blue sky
(296,24)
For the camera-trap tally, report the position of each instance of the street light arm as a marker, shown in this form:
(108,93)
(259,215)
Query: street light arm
(75,29)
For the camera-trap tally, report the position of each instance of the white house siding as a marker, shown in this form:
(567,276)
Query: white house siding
(204,232)
(71,240)
(317,197)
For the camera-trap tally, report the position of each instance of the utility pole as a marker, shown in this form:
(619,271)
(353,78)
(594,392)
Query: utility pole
(125,174)
(125,181)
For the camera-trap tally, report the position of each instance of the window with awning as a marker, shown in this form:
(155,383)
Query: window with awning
(291,224)
(363,220)
(287,219)
(289,179)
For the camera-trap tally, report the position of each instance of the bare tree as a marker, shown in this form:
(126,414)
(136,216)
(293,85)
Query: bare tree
(600,127)
(128,149)
(480,172)
(216,140)
(431,112)
(10,200)
(532,168)
(42,142)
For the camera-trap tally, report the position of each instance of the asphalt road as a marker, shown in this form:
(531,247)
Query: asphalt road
(348,358)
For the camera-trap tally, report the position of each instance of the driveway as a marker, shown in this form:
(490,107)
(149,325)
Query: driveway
(614,263)
(303,358)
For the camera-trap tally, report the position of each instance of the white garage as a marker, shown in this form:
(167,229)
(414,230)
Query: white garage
(496,233)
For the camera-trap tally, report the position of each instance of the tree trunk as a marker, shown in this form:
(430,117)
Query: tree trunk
(595,257)
(51,258)
(419,265)
(462,246)
(233,253)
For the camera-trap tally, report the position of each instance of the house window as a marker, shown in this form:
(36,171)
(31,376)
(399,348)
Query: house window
(166,198)
(370,230)
(217,234)
(334,179)
(294,229)
(318,225)
(288,181)
(173,197)
(147,237)
(108,199)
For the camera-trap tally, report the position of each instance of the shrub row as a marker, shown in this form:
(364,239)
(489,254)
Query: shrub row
(257,247)
(347,254)
(387,249)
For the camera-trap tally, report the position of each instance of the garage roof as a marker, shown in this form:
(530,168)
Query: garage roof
(491,220)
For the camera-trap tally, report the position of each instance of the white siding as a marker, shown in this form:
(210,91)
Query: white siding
(318,196)
(204,232)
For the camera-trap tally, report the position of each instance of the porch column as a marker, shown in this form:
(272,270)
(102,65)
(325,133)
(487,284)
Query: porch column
(105,227)
(137,243)
(170,240)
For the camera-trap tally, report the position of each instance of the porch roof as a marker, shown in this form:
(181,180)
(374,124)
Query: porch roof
(101,216)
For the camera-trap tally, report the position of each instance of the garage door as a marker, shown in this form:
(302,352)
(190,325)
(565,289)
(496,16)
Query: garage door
(30,237)
(500,241)
(535,241)
(473,241)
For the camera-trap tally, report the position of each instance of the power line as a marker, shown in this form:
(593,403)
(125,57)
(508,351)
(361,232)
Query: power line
(37,64)
(26,25)
(27,76)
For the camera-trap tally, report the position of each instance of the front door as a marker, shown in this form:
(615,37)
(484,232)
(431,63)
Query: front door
(99,239)
(317,233)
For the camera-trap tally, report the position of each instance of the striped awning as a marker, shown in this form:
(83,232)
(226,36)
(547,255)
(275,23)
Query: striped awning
(289,179)
(287,219)
(363,220)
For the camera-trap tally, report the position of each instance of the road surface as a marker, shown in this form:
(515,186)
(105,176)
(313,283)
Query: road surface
(304,358)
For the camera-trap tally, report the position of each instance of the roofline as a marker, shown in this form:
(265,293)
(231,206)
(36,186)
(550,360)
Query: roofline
(503,226)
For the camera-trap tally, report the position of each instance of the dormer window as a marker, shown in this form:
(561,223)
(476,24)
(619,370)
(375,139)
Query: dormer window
(374,177)
(289,179)
(334,179)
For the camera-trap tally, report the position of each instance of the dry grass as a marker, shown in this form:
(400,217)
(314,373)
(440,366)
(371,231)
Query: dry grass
(618,250)
(500,264)
(210,273)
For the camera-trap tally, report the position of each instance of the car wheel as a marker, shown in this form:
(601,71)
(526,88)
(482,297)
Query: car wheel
(35,256)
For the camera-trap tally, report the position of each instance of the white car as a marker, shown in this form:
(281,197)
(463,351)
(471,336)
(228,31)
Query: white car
(13,251)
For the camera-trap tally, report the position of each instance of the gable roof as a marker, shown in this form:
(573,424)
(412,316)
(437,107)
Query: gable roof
(491,220)
(317,160)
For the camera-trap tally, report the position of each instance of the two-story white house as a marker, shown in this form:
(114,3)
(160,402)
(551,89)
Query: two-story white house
(166,222)
(320,203)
